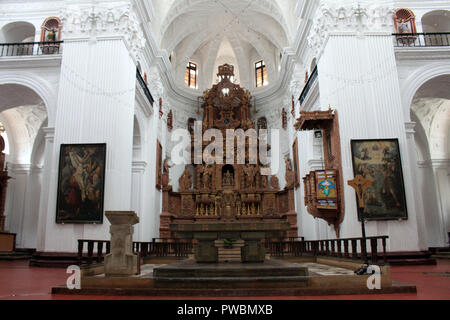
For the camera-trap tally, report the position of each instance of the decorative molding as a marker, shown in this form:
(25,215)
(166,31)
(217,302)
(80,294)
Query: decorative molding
(138,166)
(103,21)
(422,53)
(349,19)
(434,163)
(16,168)
(49,133)
(409,127)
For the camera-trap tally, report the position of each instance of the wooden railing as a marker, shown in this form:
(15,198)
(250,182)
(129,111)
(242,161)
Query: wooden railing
(347,248)
(94,251)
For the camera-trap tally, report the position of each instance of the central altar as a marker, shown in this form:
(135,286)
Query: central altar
(248,236)
(226,195)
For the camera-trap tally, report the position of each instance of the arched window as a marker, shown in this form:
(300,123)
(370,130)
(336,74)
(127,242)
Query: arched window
(261,74)
(51,29)
(190,76)
(404,21)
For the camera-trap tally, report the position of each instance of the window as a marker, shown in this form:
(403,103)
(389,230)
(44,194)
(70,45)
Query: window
(261,74)
(190,77)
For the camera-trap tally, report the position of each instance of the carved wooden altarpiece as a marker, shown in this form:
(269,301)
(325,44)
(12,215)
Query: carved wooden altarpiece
(228,192)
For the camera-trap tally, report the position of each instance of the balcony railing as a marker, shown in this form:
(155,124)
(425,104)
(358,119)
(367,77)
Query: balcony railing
(30,48)
(438,39)
(308,85)
(144,87)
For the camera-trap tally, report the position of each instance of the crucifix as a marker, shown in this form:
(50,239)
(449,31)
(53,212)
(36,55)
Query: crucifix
(361,184)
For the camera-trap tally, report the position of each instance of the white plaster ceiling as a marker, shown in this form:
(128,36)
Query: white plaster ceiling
(220,30)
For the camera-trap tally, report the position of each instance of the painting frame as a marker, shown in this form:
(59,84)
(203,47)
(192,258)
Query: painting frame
(81,205)
(380,160)
(159,164)
(296,162)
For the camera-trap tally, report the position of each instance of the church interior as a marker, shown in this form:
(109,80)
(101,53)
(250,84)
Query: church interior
(225,148)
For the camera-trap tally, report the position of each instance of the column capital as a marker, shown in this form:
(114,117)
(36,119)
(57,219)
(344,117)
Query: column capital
(349,18)
(49,133)
(409,127)
(20,168)
(103,21)
(139,166)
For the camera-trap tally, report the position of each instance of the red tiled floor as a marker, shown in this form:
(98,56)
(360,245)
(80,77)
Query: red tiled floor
(20,282)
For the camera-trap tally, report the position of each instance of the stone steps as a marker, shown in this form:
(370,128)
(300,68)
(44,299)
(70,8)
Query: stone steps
(234,282)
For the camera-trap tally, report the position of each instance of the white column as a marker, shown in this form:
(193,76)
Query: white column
(137,197)
(95,105)
(441,169)
(49,170)
(20,173)
(358,76)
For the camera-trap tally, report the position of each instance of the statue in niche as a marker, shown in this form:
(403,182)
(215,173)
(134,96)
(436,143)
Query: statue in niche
(403,26)
(228,179)
(248,176)
(274,183)
(206,177)
(185,180)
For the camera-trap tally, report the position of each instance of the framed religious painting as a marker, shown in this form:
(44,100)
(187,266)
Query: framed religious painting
(158,165)
(81,183)
(296,164)
(379,160)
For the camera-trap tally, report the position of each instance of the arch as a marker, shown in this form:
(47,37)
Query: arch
(436,21)
(417,79)
(37,153)
(17,31)
(39,85)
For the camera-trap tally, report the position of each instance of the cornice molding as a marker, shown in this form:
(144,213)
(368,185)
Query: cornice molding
(83,22)
(349,19)
(422,53)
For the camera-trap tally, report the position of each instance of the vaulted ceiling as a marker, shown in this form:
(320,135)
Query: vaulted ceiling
(212,32)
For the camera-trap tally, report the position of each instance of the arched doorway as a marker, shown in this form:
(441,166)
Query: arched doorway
(430,109)
(23,115)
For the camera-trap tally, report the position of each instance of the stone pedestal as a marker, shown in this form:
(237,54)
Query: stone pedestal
(121,261)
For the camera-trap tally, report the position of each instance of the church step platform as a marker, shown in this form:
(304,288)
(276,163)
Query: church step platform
(318,279)
(191,269)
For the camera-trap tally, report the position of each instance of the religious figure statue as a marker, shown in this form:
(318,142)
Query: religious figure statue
(228,179)
(185,180)
(274,182)
(403,26)
(165,174)
(207,176)
(249,176)
(290,174)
